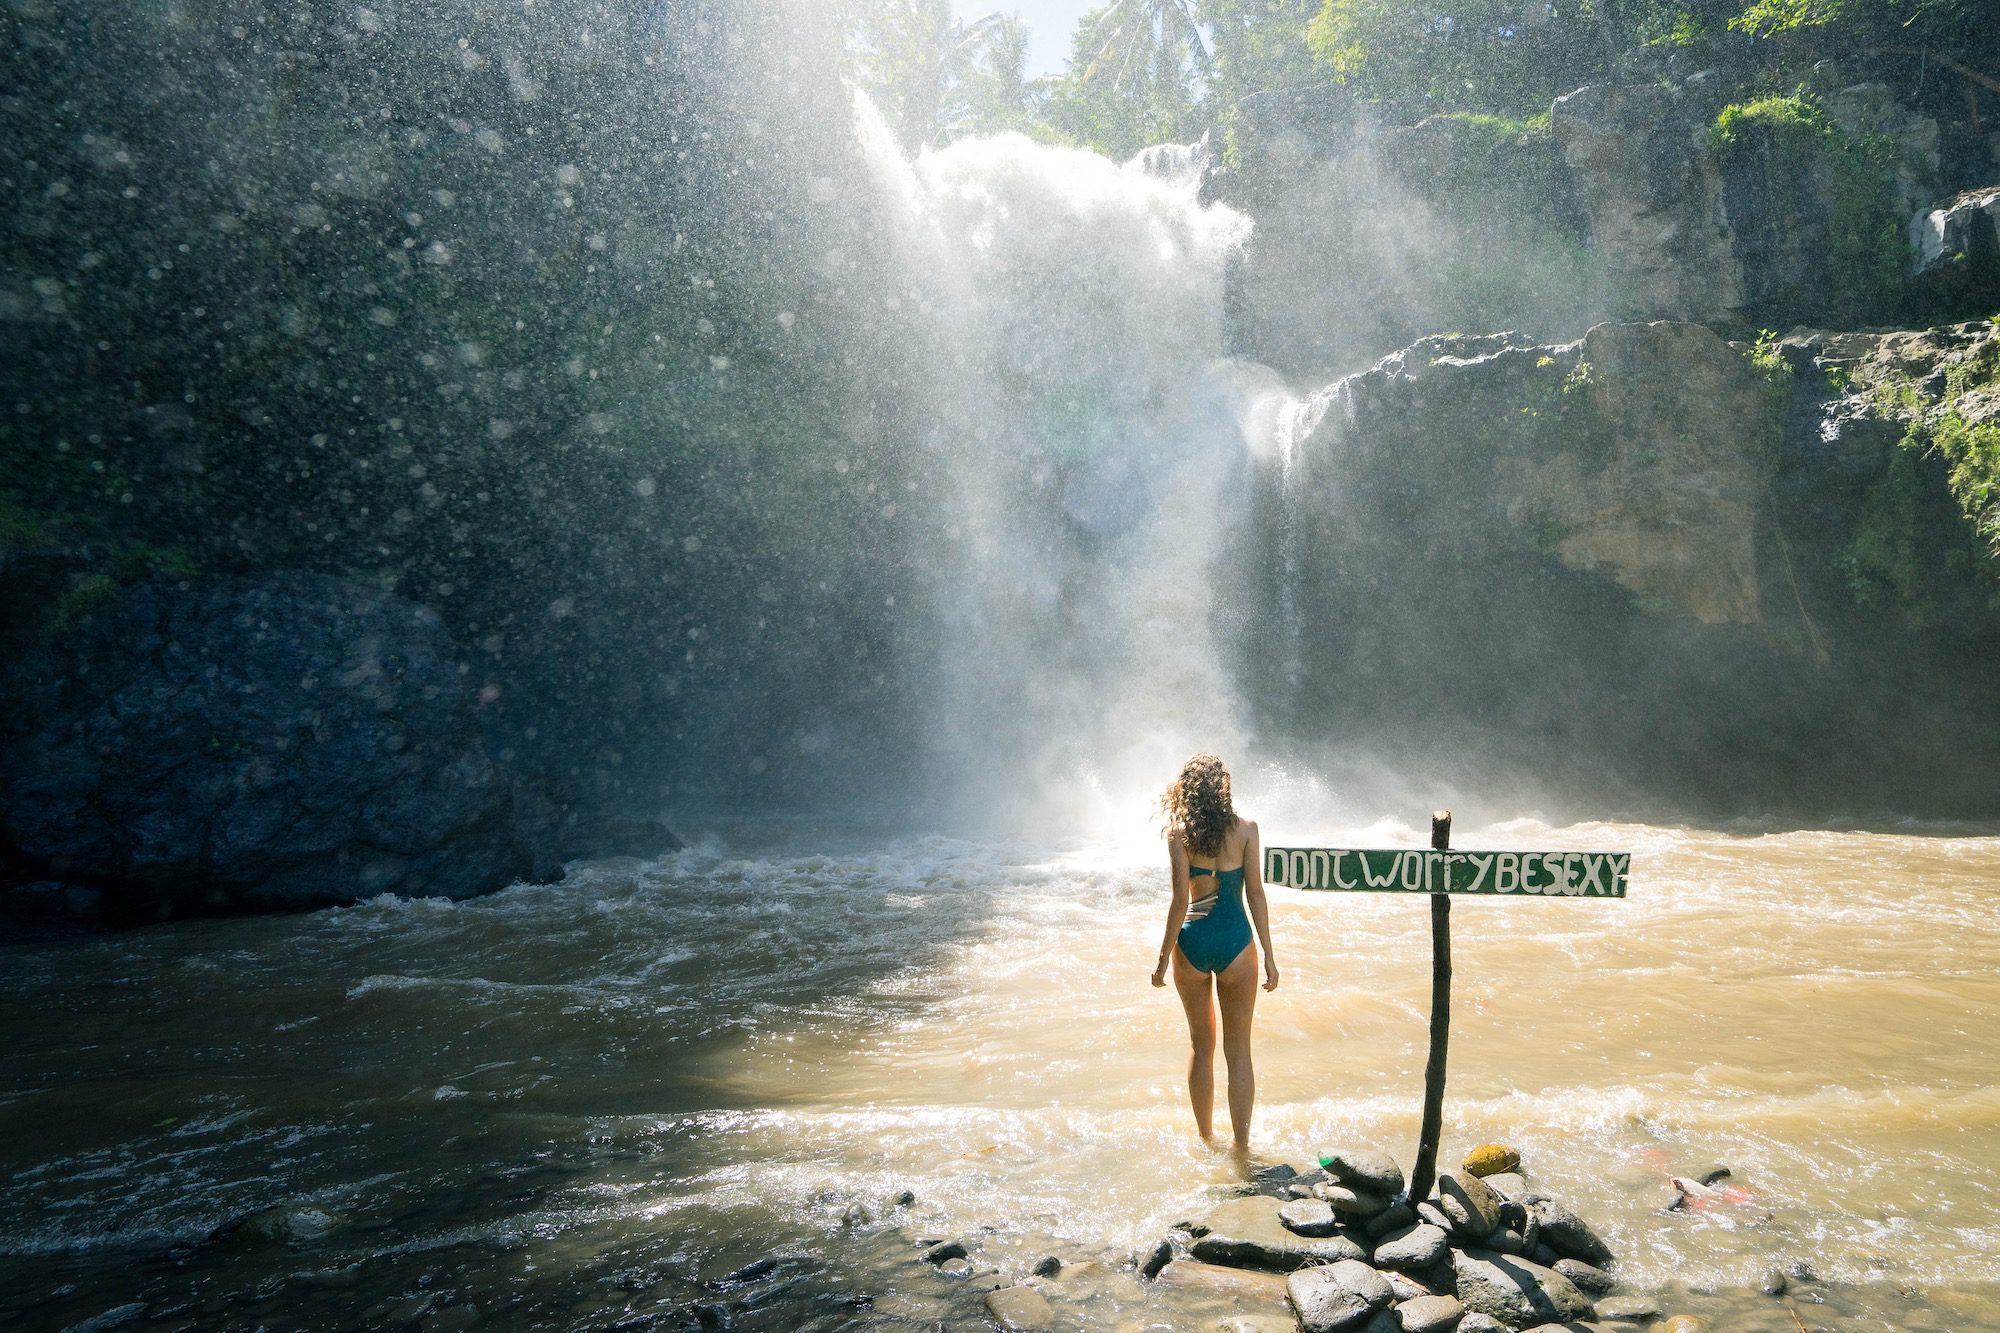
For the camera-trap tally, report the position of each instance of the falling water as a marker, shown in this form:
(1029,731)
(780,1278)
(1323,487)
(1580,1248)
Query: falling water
(1094,444)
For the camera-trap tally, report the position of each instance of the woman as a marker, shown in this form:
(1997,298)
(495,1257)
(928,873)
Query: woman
(1208,935)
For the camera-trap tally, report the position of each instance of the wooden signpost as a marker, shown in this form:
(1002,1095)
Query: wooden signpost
(1441,872)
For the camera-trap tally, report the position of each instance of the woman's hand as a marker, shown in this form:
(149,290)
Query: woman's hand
(1270,973)
(1160,972)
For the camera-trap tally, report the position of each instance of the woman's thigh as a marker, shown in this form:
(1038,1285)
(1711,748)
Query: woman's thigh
(1195,988)
(1236,990)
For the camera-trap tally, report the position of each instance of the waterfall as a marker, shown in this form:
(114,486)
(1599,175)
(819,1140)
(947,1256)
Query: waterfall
(1091,448)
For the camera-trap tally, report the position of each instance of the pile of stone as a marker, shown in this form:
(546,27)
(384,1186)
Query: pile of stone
(1485,1252)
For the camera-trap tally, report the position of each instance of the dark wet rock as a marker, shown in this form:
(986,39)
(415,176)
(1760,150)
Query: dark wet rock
(1429,1314)
(1382,1321)
(1589,1278)
(903,1200)
(1633,1308)
(287,1224)
(252,744)
(1273,1174)
(1405,1287)
(1773,1283)
(944,1251)
(1309,1217)
(1411,1248)
(1474,1209)
(53,902)
(1351,1202)
(1506,1240)
(1515,1291)
(856,1215)
(1018,1309)
(1048,1266)
(1194,1230)
(1393,1218)
(1569,1235)
(1247,1233)
(1713,1174)
(955,1267)
(1301,1186)
(1365,1170)
(1491,1159)
(750,1272)
(1333,1297)
(1156,1258)
(1545,1256)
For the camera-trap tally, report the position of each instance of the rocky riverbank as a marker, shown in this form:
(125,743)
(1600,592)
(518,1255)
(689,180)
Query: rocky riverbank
(1336,1247)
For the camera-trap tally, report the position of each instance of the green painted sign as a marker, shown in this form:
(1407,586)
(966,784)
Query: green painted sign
(1546,874)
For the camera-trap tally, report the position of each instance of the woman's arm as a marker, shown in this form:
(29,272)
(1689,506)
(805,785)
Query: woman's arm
(1253,894)
(1176,910)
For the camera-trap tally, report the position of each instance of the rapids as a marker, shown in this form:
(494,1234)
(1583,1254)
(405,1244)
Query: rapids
(572,1105)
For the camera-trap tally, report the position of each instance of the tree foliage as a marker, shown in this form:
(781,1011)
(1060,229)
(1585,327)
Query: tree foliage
(936,78)
(1498,56)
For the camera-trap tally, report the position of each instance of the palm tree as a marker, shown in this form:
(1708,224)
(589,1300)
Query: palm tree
(935,75)
(1141,40)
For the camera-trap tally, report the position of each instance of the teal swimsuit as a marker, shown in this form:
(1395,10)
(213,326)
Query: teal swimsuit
(1212,940)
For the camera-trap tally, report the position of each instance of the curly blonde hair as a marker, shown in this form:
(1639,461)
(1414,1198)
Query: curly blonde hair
(1197,804)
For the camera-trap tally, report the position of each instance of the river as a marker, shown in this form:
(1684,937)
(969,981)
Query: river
(581,1104)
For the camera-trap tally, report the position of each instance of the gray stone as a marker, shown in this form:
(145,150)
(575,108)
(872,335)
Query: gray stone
(1429,1314)
(1411,1248)
(1156,1258)
(1256,1323)
(1430,1213)
(1569,1235)
(945,1251)
(1475,1322)
(1516,1292)
(1961,231)
(1507,1184)
(1364,1169)
(1382,1321)
(1405,1287)
(1637,1309)
(1508,1241)
(1474,1209)
(1774,1282)
(1589,1278)
(1336,1296)
(956,1268)
(1247,1233)
(1351,1202)
(1047,1266)
(1393,1218)
(1309,1217)
(1018,1309)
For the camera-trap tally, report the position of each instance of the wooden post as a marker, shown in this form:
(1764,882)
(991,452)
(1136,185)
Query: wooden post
(1425,1172)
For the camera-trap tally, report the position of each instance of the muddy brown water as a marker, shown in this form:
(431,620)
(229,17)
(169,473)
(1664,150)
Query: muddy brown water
(581,1106)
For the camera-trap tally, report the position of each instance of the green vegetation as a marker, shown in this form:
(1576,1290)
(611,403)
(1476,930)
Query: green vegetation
(1939,445)
(1769,359)
(1866,249)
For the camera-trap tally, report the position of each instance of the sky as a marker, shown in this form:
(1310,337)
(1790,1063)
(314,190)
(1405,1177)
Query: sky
(1051,23)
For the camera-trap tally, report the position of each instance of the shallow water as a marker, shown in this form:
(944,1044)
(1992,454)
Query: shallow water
(574,1105)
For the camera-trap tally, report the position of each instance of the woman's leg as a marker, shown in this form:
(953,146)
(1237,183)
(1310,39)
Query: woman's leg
(1193,985)
(1236,988)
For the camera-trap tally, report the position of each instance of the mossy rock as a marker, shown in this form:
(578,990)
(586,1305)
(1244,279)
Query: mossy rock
(1490,1159)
